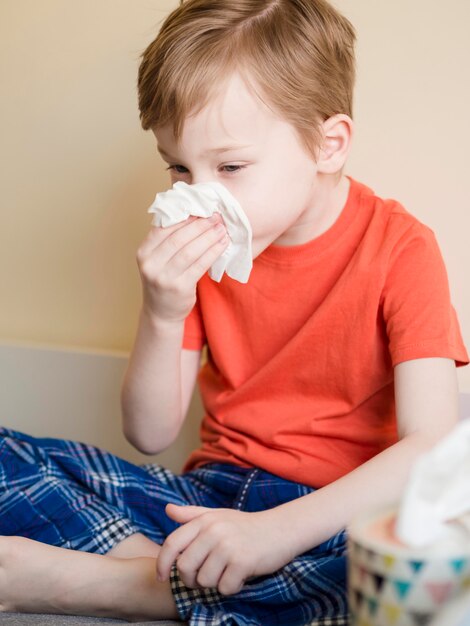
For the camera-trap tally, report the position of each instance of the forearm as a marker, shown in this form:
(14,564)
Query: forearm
(151,391)
(379,482)
(263,541)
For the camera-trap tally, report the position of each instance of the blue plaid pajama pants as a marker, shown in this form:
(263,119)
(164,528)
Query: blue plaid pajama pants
(80,497)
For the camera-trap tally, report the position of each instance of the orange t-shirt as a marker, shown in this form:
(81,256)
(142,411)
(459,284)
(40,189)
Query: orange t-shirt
(299,373)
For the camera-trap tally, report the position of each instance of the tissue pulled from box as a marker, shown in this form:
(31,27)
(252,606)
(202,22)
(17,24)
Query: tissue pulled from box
(438,492)
(202,200)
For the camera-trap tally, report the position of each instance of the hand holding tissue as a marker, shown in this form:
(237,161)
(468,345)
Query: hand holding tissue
(202,200)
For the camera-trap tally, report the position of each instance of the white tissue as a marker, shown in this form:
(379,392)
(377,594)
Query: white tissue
(438,492)
(203,199)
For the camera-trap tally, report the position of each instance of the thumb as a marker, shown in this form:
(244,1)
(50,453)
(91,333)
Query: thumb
(184,513)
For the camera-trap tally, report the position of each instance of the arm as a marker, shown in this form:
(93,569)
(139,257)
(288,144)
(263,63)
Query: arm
(160,378)
(158,368)
(223,547)
(426,394)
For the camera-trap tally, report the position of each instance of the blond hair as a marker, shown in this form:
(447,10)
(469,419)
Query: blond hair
(296,55)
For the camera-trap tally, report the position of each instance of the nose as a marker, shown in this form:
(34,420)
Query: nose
(201,179)
(201,175)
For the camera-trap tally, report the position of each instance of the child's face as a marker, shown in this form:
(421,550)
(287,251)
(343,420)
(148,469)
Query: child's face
(270,173)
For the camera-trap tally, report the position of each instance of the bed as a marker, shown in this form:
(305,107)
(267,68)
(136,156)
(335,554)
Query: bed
(74,394)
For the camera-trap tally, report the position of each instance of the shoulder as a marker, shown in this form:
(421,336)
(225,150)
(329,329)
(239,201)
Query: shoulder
(392,226)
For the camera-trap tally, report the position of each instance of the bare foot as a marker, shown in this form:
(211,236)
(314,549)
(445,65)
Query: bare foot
(38,578)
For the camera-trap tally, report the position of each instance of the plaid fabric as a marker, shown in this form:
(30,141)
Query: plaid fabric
(76,496)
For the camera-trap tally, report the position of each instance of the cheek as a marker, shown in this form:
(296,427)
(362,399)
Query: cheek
(254,199)
(274,197)
(266,214)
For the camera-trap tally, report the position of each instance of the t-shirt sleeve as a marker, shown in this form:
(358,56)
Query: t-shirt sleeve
(194,336)
(420,319)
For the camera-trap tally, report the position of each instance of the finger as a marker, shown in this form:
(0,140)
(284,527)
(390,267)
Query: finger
(173,545)
(190,561)
(195,270)
(176,247)
(184,247)
(210,572)
(157,234)
(185,513)
(232,580)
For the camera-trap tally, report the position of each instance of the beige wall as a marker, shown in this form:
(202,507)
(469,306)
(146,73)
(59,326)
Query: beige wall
(77,170)
(77,173)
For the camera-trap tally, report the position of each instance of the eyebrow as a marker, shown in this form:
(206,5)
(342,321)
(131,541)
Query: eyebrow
(210,151)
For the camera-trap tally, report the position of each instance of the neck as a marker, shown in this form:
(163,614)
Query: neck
(327,202)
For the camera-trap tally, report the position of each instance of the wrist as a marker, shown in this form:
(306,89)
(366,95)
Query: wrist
(304,523)
(281,517)
(161,326)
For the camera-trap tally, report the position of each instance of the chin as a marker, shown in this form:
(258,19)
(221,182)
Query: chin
(259,246)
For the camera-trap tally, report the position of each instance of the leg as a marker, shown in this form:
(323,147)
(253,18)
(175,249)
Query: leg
(37,578)
(134,546)
(95,503)
(75,496)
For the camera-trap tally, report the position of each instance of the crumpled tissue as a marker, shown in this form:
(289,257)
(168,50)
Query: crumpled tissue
(202,200)
(436,502)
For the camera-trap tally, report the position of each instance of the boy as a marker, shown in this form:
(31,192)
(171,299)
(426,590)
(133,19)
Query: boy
(326,374)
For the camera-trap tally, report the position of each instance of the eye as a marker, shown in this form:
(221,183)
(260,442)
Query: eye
(228,169)
(231,169)
(175,168)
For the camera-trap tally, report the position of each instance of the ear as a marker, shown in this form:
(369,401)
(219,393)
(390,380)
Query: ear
(337,138)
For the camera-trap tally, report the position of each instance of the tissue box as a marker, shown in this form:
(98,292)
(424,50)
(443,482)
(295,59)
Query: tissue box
(456,613)
(392,584)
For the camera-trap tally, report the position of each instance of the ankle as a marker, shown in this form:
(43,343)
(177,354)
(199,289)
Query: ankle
(145,598)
